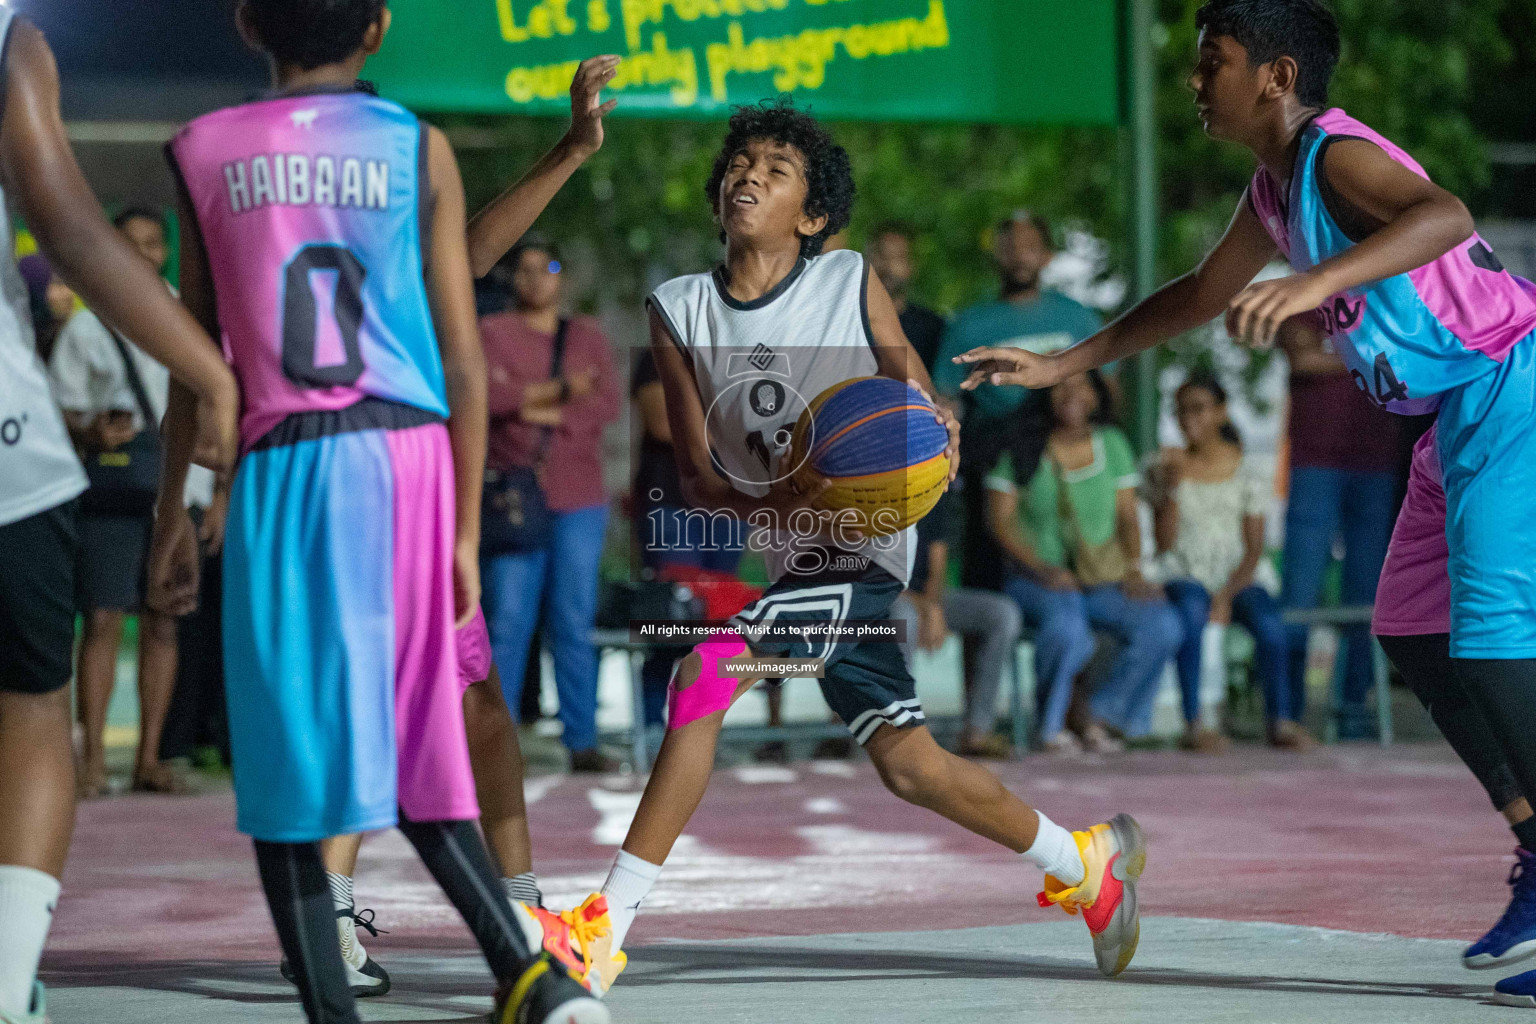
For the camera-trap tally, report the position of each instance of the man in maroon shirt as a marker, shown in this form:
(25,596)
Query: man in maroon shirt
(553,423)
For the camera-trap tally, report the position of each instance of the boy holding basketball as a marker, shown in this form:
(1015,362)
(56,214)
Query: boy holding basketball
(779,318)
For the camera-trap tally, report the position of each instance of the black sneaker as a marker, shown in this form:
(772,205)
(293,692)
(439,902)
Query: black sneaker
(547,993)
(364,976)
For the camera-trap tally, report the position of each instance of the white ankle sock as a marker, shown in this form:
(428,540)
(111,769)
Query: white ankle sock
(524,888)
(341,890)
(629,882)
(27,900)
(1055,852)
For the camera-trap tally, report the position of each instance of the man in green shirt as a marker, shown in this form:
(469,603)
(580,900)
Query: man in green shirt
(1025,315)
(993,420)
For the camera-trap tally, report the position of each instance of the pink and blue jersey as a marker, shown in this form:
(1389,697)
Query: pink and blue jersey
(340,659)
(1407,339)
(1454,335)
(313,209)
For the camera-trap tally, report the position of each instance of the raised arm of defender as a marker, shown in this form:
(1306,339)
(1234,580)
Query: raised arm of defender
(496,229)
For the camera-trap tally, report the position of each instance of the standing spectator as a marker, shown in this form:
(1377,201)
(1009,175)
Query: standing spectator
(113,395)
(554,425)
(1073,534)
(890,254)
(931,608)
(1344,464)
(1210,507)
(1024,315)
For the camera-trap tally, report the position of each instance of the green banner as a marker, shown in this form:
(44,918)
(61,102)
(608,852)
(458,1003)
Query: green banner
(1011,61)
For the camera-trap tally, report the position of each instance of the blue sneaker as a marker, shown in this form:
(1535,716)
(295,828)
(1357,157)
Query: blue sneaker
(1514,937)
(1517,991)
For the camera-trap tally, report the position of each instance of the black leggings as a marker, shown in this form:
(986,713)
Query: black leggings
(299,896)
(1442,685)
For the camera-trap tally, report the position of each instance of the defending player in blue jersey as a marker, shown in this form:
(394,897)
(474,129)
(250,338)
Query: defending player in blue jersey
(1416,304)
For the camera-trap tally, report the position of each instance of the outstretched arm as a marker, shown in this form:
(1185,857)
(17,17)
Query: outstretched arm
(497,228)
(40,170)
(1180,305)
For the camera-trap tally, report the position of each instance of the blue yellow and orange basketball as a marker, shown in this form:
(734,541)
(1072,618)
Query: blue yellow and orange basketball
(879,444)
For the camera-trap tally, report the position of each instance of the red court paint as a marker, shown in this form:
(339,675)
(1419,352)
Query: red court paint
(1399,841)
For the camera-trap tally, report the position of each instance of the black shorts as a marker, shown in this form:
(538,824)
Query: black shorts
(866,681)
(110,574)
(37,601)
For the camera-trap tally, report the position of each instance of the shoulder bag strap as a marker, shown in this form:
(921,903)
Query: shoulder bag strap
(556,363)
(136,385)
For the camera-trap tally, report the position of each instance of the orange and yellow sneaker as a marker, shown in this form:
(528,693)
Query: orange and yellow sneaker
(580,939)
(1114,856)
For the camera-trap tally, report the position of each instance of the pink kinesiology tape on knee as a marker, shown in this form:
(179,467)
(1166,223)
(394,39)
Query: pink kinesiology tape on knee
(712,691)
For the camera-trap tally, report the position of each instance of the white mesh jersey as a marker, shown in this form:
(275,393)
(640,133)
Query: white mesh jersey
(38,467)
(759,364)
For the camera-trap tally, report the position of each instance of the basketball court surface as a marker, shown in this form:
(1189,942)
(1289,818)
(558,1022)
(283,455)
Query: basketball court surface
(1337,886)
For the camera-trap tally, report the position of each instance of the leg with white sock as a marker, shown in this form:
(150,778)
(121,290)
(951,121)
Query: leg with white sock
(697,703)
(457,860)
(299,896)
(914,767)
(37,766)
(1093,872)
(37,815)
(364,975)
(497,761)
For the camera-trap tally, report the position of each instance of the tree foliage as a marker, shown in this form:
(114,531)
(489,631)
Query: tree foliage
(1418,70)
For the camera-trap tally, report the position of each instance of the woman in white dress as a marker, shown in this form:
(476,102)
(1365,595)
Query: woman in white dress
(1210,504)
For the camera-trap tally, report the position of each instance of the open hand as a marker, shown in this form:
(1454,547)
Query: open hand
(214,520)
(1138,589)
(174,564)
(1254,316)
(944,415)
(581,383)
(466,582)
(1002,366)
(217,441)
(109,431)
(587,106)
(932,627)
(1221,609)
(1060,580)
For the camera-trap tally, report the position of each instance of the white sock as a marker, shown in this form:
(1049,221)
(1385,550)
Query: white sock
(524,888)
(1055,852)
(629,882)
(27,900)
(341,890)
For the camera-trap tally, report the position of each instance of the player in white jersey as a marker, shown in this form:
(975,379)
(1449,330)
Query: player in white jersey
(39,480)
(740,352)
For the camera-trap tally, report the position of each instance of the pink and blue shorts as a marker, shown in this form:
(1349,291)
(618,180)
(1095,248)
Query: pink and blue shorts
(341,660)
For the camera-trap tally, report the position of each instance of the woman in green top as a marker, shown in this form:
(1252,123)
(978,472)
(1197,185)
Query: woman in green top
(1073,537)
